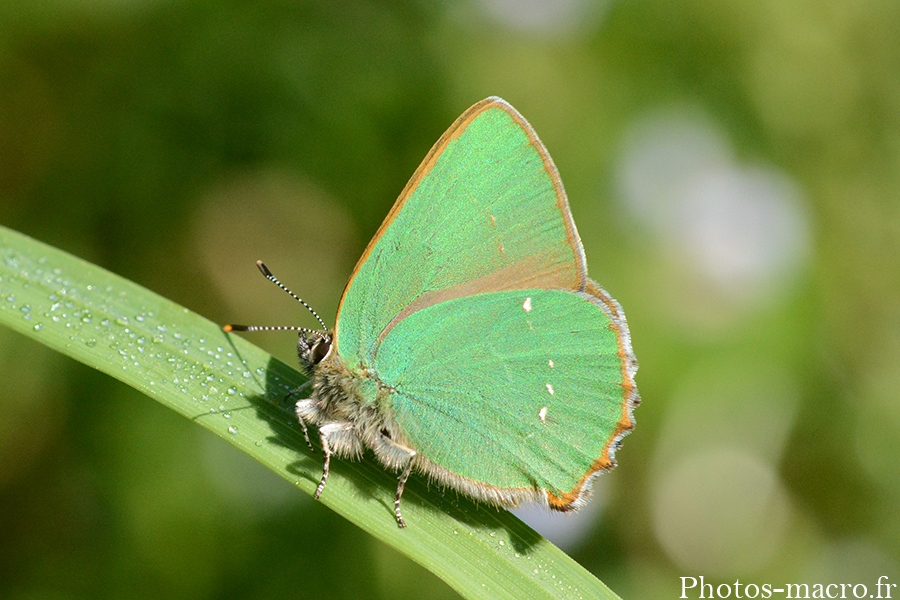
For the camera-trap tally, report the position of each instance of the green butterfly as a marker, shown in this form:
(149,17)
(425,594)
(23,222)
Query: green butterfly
(470,344)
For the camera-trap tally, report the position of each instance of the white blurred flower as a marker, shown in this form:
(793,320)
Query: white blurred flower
(735,230)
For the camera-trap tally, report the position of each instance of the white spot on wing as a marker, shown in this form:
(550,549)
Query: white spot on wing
(526,306)
(542,414)
(550,362)
(550,389)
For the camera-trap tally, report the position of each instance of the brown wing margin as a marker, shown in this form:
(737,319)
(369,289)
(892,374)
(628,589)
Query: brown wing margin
(577,496)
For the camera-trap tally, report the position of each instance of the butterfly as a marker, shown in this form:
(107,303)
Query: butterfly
(470,345)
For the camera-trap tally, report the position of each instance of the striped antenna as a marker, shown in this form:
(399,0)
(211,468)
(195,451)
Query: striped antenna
(268,275)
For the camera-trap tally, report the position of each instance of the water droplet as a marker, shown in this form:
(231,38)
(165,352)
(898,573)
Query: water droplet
(38,326)
(232,391)
(233,430)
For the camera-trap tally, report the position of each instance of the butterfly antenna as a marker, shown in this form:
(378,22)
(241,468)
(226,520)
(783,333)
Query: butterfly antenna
(268,275)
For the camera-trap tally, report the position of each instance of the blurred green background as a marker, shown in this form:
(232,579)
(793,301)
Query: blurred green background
(734,170)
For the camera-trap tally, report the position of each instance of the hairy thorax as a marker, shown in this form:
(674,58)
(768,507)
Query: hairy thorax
(358,399)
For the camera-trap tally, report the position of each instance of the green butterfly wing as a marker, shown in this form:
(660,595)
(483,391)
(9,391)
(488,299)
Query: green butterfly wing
(514,390)
(485,211)
(510,369)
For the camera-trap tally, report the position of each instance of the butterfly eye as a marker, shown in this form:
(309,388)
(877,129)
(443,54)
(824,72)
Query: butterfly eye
(320,348)
(312,348)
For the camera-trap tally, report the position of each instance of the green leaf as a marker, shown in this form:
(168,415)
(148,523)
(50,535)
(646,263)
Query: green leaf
(190,365)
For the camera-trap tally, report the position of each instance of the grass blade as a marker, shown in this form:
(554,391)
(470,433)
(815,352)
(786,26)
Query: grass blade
(189,364)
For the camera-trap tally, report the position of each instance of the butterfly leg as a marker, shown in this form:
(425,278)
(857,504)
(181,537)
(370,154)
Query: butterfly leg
(337,438)
(396,456)
(400,485)
(306,410)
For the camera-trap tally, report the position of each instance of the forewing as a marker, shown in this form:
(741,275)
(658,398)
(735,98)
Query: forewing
(485,211)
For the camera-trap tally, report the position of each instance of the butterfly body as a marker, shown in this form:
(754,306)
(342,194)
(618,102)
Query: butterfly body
(470,345)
